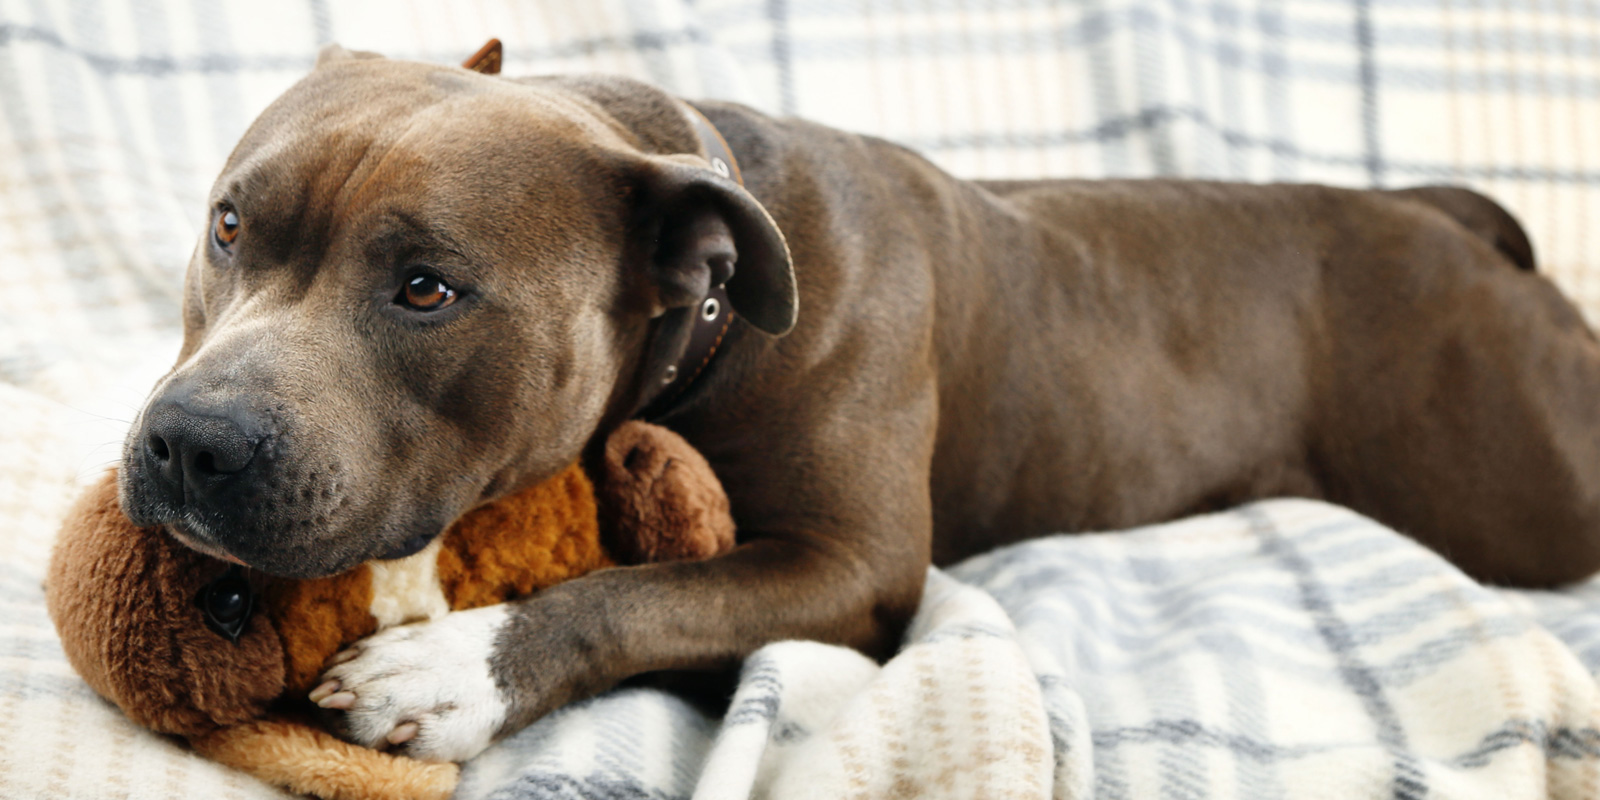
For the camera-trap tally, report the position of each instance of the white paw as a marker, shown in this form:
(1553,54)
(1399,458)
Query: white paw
(425,688)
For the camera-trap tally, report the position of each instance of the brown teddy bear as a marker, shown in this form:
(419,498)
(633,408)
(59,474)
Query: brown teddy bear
(189,645)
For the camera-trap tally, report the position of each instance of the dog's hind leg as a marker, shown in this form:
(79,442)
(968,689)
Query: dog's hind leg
(1465,409)
(1485,218)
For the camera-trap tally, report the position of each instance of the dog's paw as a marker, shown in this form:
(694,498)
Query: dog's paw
(424,690)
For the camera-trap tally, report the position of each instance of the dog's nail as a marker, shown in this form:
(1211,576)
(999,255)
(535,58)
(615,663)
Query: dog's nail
(339,700)
(323,691)
(404,733)
(341,657)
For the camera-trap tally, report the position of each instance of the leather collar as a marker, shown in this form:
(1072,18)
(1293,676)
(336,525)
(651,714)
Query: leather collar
(707,324)
(698,331)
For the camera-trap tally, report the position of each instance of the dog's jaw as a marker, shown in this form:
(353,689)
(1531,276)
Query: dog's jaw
(435,676)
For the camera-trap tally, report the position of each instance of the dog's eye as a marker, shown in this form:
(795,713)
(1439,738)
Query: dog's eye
(227,227)
(426,293)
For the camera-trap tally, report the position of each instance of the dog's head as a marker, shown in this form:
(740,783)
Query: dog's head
(419,288)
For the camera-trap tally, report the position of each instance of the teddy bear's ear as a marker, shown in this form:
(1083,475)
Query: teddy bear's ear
(129,605)
(660,500)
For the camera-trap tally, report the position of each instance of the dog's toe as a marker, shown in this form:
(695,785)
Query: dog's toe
(404,733)
(426,688)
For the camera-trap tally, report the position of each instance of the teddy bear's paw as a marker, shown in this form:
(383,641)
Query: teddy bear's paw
(423,690)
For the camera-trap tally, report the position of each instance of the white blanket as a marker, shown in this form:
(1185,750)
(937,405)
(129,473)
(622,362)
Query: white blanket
(1288,649)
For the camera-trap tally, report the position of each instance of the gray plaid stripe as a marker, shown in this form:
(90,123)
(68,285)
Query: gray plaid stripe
(1556,742)
(1098,27)
(1409,782)
(1369,93)
(761,685)
(782,54)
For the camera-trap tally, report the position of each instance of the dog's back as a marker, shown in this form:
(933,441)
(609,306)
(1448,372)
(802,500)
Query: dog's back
(1112,353)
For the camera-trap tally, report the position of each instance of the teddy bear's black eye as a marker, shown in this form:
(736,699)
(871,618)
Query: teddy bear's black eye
(226,604)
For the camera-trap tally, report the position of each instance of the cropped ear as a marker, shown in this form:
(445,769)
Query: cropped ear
(700,230)
(334,53)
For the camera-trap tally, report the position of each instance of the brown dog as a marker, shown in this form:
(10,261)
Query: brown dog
(421,288)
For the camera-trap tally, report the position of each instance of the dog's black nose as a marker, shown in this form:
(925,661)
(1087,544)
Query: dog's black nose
(197,452)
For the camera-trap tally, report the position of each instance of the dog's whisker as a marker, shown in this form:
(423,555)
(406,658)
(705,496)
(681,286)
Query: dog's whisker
(89,413)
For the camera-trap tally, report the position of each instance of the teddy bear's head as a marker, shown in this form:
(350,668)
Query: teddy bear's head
(132,606)
(186,644)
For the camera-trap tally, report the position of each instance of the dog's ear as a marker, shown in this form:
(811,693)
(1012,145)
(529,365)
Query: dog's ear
(487,60)
(699,230)
(334,53)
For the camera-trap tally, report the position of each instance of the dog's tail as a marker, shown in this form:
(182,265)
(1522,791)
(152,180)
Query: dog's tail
(1480,215)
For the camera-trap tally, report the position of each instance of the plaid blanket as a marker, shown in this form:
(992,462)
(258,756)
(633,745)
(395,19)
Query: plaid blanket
(1286,649)
(1283,649)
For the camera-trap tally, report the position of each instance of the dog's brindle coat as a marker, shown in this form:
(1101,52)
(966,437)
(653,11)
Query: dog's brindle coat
(971,364)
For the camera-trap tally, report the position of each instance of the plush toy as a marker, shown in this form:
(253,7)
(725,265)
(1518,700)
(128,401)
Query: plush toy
(223,656)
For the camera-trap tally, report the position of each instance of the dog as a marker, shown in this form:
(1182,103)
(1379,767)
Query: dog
(421,287)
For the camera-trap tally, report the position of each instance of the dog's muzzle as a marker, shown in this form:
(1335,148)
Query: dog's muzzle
(201,465)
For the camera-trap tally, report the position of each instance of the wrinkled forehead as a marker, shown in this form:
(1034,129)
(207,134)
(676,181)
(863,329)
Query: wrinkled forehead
(372,110)
(443,142)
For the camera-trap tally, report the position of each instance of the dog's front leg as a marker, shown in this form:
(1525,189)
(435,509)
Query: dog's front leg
(847,567)
(444,690)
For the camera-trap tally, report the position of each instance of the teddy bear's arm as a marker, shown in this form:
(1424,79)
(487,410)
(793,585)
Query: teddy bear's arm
(309,761)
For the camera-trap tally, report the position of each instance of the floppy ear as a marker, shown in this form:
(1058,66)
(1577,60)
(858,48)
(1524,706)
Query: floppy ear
(702,230)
